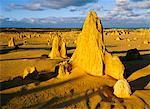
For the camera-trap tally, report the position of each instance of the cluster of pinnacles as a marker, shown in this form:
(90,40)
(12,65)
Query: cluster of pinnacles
(92,57)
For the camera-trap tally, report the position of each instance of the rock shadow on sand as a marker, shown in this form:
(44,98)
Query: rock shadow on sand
(134,65)
(7,97)
(142,82)
(68,100)
(19,81)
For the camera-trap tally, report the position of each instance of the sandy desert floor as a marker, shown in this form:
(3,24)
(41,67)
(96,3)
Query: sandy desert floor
(78,90)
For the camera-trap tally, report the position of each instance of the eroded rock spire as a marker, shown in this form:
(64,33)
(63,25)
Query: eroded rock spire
(89,53)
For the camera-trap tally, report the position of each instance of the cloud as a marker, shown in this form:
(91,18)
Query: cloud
(73,22)
(140,5)
(58,4)
(48,22)
(128,13)
(37,5)
(32,6)
(86,8)
(125,13)
(126,9)
(122,2)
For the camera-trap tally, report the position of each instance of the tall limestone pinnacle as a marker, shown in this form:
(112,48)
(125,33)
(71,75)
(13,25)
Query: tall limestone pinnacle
(92,57)
(55,48)
(89,53)
(58,48)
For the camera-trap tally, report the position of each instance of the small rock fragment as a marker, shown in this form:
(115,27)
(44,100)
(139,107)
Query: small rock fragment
(122,89)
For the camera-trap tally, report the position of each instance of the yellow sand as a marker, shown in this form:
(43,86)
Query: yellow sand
(58,92)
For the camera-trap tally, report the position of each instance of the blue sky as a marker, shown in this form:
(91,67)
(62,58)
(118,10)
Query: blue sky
(71,13)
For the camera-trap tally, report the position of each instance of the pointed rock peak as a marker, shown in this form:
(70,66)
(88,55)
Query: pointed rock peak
(90,60)
(92,22)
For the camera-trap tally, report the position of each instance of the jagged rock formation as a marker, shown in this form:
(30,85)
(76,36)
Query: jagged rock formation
(122,89)
(58,48)
(89,53)
(31,72)
(113,66)
(11,42)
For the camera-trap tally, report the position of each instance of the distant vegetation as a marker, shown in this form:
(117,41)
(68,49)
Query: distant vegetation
(39,29)
(51,29)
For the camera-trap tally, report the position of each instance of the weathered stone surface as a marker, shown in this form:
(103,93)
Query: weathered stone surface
(61,71)
(105,105)
(122,89)
(58,48)
(90,47)
(55,48)
(113,66)
(94,100)
(63,51)
(90,54)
